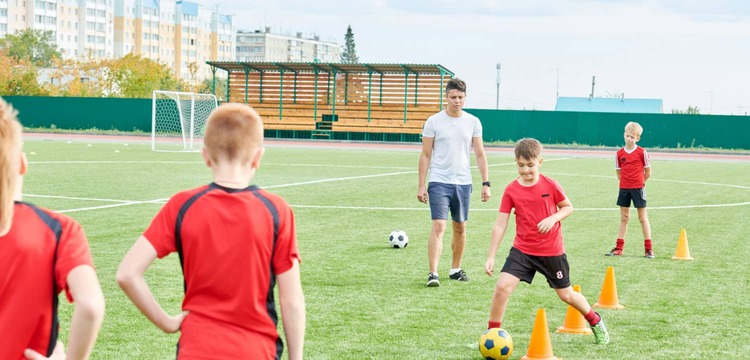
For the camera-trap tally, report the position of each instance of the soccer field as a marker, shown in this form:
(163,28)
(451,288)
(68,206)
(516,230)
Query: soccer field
(368,301)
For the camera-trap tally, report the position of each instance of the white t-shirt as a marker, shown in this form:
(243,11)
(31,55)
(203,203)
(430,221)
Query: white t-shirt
(451,150)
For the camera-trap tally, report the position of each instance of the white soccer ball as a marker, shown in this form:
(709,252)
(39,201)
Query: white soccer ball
(398,239)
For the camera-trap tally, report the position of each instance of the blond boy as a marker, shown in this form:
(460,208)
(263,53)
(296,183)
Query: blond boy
(633,170)
(234,241)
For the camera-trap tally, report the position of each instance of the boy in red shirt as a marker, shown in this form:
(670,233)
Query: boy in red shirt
(234,241)
(41,254)
(540,204)
(633,169)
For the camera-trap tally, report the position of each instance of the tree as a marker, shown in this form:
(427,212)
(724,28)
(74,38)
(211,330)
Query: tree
(76,78)
(206,87)
(18,77)
(691,110)
(349,54)
(33,45)
(133,76)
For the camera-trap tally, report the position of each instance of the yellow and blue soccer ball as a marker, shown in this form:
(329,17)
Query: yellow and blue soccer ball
(495,344)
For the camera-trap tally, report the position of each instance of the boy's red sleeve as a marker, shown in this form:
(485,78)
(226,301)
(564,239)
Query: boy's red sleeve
(161,231)
(286,244)
(73,251)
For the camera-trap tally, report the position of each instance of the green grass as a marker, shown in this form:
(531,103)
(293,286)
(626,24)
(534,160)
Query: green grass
(365,300)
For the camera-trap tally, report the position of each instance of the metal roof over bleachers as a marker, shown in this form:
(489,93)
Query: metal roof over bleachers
(352,68)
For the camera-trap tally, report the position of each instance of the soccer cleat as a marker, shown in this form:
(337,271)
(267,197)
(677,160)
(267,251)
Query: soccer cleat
(460,275)
(433,280)
(650,254)
(614,252)
(601,335)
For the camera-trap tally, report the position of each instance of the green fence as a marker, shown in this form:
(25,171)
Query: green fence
(550,127)
(659,130)
(79,113)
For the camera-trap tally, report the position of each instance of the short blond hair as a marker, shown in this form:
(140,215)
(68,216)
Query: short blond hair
(233,131)
(635,127)
(10,157)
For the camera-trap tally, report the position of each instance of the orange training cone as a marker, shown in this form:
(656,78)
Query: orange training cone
(540,346)
(683,251)
(574,322)
(608,297)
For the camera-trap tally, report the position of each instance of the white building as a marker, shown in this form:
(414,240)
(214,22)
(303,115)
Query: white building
(264,45)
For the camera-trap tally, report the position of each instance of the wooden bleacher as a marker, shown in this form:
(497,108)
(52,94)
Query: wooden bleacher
(324,99)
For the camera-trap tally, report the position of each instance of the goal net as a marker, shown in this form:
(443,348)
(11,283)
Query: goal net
(178,120)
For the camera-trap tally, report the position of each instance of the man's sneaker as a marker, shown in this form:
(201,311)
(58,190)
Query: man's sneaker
(460,275)
(601,335)
(650,254)
(614,252)
(433,280)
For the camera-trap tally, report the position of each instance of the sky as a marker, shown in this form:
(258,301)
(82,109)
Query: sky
(685,52)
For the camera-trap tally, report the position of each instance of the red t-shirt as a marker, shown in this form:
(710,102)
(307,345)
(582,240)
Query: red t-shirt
(631,165)
(27,255)
(231,256)
(532,204)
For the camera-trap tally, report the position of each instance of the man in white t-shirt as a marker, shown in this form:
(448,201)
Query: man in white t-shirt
(447,140)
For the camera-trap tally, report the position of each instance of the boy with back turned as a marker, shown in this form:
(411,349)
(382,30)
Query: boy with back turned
(234,241)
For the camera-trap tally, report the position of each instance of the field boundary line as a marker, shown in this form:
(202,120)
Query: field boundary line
(426,208)
(76,198)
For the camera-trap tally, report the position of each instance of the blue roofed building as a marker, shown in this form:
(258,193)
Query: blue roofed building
(610,105)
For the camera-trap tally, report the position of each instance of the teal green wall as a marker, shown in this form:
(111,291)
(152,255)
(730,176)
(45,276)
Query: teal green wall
(659,130)
(83,113)
(550,127)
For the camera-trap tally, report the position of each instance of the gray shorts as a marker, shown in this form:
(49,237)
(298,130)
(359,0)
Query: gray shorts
(444,197)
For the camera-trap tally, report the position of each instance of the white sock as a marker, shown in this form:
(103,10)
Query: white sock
(434,273)
(453,271)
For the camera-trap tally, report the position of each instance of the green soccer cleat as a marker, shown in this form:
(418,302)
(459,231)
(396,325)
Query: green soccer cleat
(601,335)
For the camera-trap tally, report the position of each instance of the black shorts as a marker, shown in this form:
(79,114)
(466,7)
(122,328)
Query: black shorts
(638,196)
(554,268)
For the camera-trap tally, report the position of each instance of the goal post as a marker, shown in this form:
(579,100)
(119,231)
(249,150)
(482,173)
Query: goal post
(178,119)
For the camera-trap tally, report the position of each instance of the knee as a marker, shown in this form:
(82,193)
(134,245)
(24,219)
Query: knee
(624,217)
(566,296)
(503,290)
(459,228)
(438,227)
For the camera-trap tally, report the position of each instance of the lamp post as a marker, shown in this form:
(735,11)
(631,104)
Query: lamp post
(497,104)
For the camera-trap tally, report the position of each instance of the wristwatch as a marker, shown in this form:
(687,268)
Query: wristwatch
(486,183)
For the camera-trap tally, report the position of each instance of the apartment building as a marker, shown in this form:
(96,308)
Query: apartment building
(4,17)
(22,14)
(263,45)
(181,34)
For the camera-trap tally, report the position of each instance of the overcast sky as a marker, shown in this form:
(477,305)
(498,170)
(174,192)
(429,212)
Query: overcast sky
(686,52)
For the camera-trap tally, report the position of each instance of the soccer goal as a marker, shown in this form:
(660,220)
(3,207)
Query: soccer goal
(178,120)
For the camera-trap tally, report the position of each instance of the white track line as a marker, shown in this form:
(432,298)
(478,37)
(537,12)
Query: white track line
(76,198)
(93,162)
(337,179)
(137,202)
(98,162)
(426,208)
(157,201)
